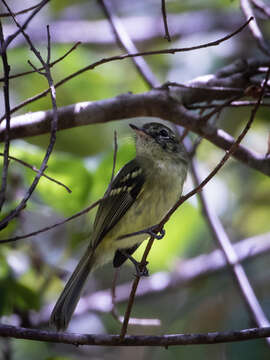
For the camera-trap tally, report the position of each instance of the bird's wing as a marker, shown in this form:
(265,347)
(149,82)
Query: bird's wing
(118,198)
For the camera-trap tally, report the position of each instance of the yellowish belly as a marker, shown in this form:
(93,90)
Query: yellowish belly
(148,210)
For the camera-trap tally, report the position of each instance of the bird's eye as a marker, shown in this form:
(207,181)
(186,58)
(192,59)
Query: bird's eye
(164,133)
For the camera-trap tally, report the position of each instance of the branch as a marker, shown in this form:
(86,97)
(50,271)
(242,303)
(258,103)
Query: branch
(132,340)
(126,56)
(155,103)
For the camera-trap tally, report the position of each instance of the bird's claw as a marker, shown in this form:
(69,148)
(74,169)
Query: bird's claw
(141,269)
(157,235)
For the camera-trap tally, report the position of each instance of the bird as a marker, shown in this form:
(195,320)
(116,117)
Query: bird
(138,197)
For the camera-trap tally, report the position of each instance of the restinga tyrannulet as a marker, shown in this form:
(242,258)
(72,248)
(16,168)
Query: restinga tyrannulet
(138,198)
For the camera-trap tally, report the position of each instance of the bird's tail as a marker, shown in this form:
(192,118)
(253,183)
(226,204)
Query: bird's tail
(70,296)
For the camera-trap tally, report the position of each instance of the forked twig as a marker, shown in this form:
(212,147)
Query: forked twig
(14,76)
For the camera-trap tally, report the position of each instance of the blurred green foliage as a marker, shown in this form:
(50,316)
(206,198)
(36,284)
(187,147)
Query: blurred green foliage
(67,169)
(14,294)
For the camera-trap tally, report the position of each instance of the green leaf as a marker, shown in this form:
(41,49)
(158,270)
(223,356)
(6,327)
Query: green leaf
(65,168)
(16,295)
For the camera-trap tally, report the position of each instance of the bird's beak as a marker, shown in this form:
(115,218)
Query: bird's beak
(138,130)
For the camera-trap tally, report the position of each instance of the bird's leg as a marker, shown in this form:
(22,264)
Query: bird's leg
(141,269)
(152,231)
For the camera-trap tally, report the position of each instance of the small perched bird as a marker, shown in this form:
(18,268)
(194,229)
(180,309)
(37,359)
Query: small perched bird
(138,198)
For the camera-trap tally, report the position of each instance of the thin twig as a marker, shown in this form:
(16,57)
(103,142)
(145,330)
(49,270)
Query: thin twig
(254,28)
(114,311)
(164,17)
(114,156)
(122,57)
(124,41)
(242,103)
(21,11)
(14,76)
(218,109)
(135,284)
(54,122)
(169,84)
(36,170)
(27,21)
(48,46)
(37,232)
(132,321)
(6,70)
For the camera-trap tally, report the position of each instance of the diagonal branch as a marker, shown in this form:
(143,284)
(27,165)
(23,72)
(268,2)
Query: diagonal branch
(254,28)
(125,42)
(231,257)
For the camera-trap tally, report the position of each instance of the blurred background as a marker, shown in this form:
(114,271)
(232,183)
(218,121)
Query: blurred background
(33,271)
